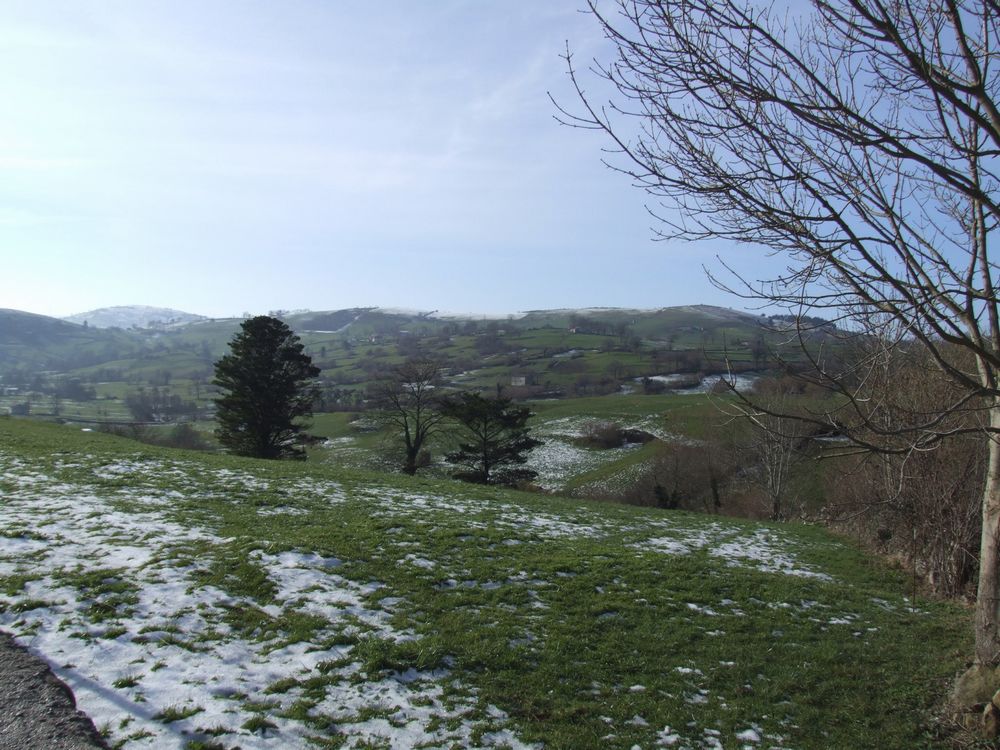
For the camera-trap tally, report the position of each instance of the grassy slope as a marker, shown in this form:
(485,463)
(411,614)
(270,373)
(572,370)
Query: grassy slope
(557,422)
(562,614)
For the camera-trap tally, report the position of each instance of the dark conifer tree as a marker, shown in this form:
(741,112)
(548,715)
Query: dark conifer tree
(496,439)
(266,381)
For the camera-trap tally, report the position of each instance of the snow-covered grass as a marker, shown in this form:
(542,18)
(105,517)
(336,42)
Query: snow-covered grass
(707,383)
(167,631)
(208,602)
(561,461)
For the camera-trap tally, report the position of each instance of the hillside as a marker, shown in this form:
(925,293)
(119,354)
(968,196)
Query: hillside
(205,601)
(350,344)
(133,316)
(162,329)
(37,342)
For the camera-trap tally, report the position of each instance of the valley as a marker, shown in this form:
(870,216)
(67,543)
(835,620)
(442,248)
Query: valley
(201,601)
(605,362)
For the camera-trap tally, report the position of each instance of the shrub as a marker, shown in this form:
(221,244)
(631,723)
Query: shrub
(183,435)
(652,387)
(187,437)
(602,434)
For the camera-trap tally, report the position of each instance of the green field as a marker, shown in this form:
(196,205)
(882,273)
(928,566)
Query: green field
(553,353)
(231,601)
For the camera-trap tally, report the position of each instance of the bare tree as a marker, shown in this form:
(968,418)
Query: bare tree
(773,449)
(921,506)
(862,142)
(409,400)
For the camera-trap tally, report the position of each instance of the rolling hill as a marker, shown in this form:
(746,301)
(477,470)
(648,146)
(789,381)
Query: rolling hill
(40,343)
(31,341)
(54,369)
(133,316)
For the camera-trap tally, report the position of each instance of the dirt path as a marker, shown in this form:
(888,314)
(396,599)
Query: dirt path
(38,711)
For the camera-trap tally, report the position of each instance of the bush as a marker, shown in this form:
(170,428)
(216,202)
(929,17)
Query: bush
(696,477)
(687,380)
(922,510)
(183,436)
(652,387)
(632,435)
(187,437)
(921,507)
(604,435)
(137,432)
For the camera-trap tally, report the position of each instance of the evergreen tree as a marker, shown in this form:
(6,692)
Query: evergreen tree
(497,439)
(267,391)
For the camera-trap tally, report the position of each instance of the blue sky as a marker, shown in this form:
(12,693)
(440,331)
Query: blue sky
(221,157)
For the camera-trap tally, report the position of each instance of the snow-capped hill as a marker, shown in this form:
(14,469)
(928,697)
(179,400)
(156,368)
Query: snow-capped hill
(134,316)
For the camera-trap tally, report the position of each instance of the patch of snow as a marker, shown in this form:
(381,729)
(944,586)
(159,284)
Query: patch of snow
(420,562)
(761,549)
(742,382)
(177,643)
(688,670)
(666,737)
(749,735)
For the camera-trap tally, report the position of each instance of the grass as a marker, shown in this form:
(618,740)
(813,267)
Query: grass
(232,570)
(561,621)
(177,713)
(680,414)
(108,593)
(607,473)
(364,444)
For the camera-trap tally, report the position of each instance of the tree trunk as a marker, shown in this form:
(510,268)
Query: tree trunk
(988,596)
(412,451)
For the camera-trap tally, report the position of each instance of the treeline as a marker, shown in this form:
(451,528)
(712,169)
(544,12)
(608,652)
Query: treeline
(773,458)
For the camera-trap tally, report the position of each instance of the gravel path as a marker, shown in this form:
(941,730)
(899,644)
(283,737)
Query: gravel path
(37,710)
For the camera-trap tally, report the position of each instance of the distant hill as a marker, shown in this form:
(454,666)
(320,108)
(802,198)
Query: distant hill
(657,322)
(26,328)
(39,342)
(134,316)
(564,350)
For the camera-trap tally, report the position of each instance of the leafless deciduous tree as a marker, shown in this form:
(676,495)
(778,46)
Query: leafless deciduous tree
(920,506)
(409,400)
(774,446)
(861,141)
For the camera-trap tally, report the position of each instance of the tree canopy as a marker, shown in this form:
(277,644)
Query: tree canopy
(267,391)
(495,439)
(861,141)
(409,400)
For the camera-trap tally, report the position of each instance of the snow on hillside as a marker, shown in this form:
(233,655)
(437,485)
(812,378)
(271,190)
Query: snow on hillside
(447,314)
(133,316)
(123,596)
(180,662)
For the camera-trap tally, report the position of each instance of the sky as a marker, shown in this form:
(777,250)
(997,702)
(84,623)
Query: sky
(226,157)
